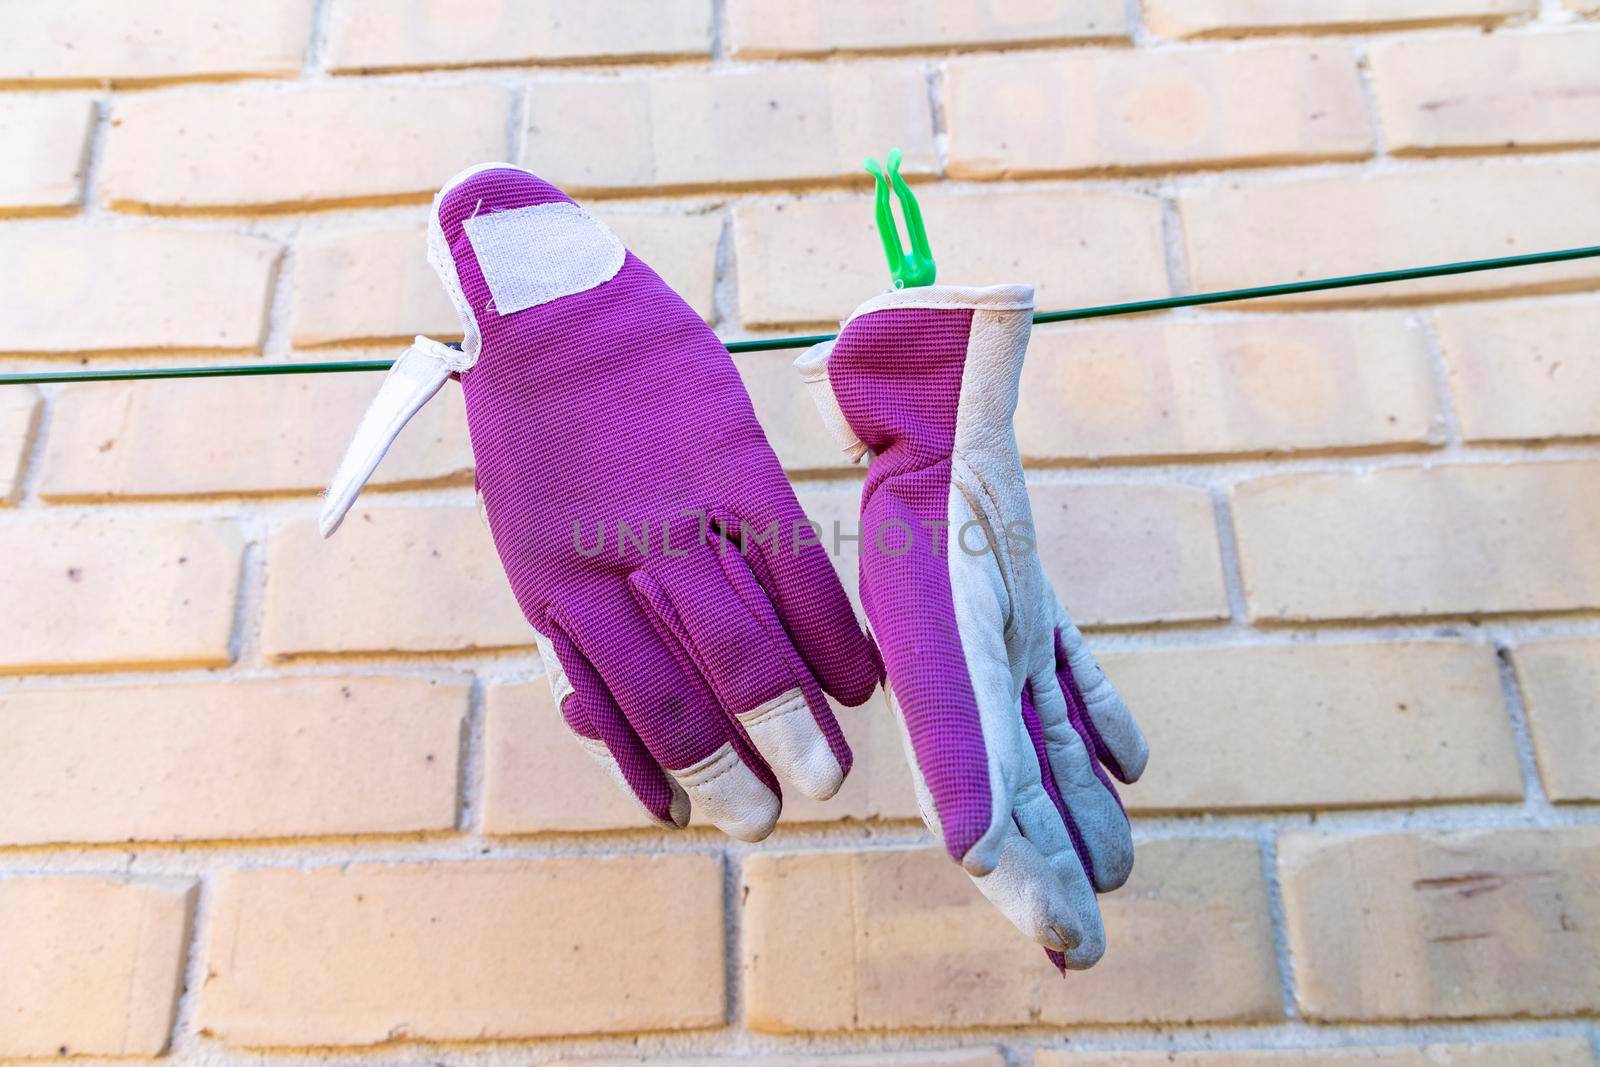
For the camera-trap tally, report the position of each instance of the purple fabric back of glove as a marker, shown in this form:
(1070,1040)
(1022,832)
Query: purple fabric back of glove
(904,410)
(592,406)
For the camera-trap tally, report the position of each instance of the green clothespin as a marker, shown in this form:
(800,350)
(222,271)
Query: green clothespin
(908,268)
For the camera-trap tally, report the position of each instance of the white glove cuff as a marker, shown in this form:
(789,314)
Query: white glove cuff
(813,368)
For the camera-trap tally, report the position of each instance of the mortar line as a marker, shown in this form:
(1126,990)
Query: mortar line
(1426,322)
(94,157)
(1278,914)
(1138,33)
(1016,1043)
(472,759)
(277,339)
(1534,796)
(33,457)
(1174,246)
(732,934)
(1369,98)
(313,65)
(184,1036)
(719,34)
(725,279)
(517,122)
(1199,471)
(934,73)
(249,598)
(195,858)
(1228,551)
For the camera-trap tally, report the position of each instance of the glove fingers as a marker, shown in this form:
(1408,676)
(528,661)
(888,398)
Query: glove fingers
(1052,903)
(732,638)
(1047,778)
(1087,801)
(786,556)
(815,754)
(1111,732)
(595,720)
(677,718)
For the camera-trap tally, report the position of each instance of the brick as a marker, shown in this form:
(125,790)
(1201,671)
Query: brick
(418,579)
(680,248)
(538,780)
(236,437)
(44,150)
(308,147)
(104,987)
(1117,251)
(1125,555)
(372,35)
(374,284)
(1234,18)
(1157,388)
(788,414)
(1242,233)
(249,758)
(1546,93)
(1522,370)
(1320,725)
(110,592)
(757,30)
(536,777)
(1553,1052)
(473,951)
(901,939)
(1453,540)
(1076,113)
(1444,926)
(102,290)
(953,1058)
(1559,681)
(769,127)
(86,42)
(837,514)
(19,420)
(369,284)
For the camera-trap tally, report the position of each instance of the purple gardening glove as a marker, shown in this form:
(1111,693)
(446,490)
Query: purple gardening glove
(621,469)
(1010,726)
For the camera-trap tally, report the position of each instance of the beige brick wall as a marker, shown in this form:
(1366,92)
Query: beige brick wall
(273,801)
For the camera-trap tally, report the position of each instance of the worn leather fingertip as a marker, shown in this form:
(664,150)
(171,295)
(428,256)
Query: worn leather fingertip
(1086,953)
(678,809)
(984,856)
(1133,770)
(985,853)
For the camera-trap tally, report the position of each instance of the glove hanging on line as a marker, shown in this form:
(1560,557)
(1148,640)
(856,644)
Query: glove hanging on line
(689,632)
(1009,724)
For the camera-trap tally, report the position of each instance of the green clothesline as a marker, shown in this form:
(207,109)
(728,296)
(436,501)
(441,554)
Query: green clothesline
(778,343)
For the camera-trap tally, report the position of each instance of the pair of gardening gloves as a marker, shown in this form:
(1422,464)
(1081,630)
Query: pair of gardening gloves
(691,623)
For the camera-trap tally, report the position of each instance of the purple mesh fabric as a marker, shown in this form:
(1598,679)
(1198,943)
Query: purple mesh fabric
(1030,719)
(1078,713)
(618,404)
(897,376)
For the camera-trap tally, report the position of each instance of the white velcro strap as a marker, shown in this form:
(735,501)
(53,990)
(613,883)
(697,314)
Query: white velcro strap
(532,255)
(413,380)
(813,368)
